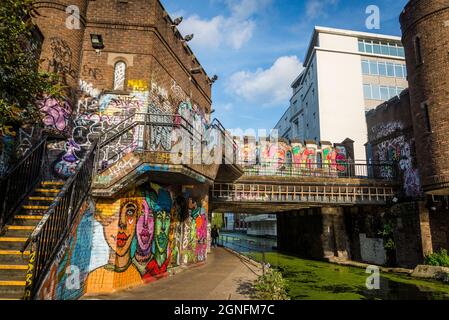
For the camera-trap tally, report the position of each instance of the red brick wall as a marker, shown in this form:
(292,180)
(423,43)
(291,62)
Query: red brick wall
(138,32)
(429,82)
(61,48)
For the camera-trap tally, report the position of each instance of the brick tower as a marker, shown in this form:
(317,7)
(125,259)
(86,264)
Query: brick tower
(62,22)
(425,29)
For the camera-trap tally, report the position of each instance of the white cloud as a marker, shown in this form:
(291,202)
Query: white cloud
(206,32)
(233,30)
(269,87)
(244,9)
(316,8)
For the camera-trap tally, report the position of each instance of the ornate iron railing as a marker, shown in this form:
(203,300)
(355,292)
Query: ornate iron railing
(54,227)
(341,169)
(20,181)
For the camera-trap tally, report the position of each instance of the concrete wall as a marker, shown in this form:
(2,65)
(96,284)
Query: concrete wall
(129,241)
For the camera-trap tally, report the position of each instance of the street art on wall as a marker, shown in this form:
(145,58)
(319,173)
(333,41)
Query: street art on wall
(391,144)
(129,241)
(15,143)
(55,113)
(398,150)
(281,155)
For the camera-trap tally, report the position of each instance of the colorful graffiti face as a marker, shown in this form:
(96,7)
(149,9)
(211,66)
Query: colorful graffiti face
(161,231)
(144,229)
(127,222)
(141,238)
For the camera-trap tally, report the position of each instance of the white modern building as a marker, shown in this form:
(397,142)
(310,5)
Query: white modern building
(346,73)
(262,225)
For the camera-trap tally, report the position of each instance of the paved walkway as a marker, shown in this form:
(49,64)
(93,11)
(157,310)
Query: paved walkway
(224,276)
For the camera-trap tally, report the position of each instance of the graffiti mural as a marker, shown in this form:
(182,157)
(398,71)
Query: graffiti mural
(281,155)
(55,114)
(61,61)
(398,150)
(391,142)
(129,241)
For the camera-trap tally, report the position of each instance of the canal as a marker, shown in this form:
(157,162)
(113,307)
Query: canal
(317,280)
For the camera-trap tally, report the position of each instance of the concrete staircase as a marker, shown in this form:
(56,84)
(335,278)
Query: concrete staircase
(13,265)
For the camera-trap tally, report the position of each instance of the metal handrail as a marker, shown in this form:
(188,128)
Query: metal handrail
(21,180)
(56,223)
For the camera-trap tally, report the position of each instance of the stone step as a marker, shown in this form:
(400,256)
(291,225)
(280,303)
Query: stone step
(52,183)
(26,220)
(18,231)
(12,289)
(46,192)
(33,208)
(40,199)
(13,272)
(11,292)
(14,257)
(12,243)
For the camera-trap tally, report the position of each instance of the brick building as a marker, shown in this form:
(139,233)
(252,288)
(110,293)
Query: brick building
(425,28)
(412,131)
(138,33)
(131,81)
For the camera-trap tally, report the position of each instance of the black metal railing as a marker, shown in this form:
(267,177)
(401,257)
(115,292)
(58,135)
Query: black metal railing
(149,132)
(229,146)
(341,169)
(55,226)
(246,247)
(20,181)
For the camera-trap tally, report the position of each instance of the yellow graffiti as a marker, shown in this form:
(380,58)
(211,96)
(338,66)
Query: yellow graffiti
(138,85)
(7,131)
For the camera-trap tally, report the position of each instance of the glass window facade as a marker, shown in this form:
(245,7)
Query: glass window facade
(384,69)
(376,92)
(377,47)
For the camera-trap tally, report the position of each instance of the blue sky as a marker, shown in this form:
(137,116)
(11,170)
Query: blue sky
(256,47)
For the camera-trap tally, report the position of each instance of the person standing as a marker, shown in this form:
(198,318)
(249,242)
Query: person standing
(215,235)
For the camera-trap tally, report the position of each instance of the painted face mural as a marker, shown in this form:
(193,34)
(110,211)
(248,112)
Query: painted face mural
(132,240)
(127,222)
(145,227)
(161,230)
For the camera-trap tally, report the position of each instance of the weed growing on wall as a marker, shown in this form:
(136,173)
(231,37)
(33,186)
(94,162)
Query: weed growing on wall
(439,258)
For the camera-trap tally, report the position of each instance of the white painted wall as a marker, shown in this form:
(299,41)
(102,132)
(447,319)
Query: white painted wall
(341,100)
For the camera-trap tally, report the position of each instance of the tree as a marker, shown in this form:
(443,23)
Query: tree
(21,83)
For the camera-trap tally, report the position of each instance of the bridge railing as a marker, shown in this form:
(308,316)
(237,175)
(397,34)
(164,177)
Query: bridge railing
(278,193)
(342,169)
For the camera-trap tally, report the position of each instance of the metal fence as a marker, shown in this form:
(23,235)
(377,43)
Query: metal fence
(342,169)
(246,247)
(17,184)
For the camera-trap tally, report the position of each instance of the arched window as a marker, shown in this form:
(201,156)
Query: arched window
(418,53)
(119,75)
